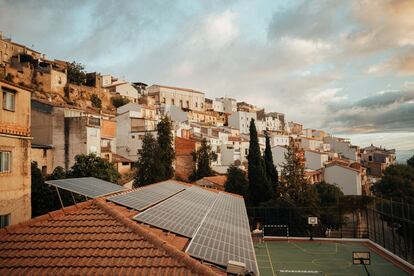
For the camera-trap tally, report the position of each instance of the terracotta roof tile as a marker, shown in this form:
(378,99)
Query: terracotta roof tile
(92,238)
(217,179)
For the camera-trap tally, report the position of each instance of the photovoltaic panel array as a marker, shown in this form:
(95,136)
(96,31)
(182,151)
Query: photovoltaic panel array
(147,196)
(182,213)
(225,235)
(88,186)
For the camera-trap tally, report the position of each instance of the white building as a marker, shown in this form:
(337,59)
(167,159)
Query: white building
(278,154)
(279,140)
(235,149)
(310,143)
(348,179)
(225,105)
(181,97)
(132,122)
(122,88)
(175,113)
(241,120)
(343,147)
(315,160)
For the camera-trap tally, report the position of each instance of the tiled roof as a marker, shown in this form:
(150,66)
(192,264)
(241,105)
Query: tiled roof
(178,88)
(92,238)
(119,158)
(218,179)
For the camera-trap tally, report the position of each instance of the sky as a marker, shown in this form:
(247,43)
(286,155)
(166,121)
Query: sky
(343,66)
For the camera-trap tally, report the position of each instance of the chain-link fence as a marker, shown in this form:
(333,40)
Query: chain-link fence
(385,222)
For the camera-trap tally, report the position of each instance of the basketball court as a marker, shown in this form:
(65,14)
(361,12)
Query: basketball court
(304,257)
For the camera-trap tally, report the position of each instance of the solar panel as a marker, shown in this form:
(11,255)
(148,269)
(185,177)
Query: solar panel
(144,197)
(182,213)
(88,186)
(225,235)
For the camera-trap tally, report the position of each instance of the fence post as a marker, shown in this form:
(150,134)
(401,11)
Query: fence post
(392,226)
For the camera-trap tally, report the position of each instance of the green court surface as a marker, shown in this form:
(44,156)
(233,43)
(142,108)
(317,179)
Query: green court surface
(300,258)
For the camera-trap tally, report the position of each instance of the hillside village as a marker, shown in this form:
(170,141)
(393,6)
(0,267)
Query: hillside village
(48,116)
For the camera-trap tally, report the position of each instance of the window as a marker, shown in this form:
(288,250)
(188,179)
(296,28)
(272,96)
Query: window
(172,101)
(163,100)
(94,132)
(196,104)
(125,163)
(181,103)
(5,161)
(4,220)
(9,99)
(133,137)
(44,152)
(188,104)
(44,170)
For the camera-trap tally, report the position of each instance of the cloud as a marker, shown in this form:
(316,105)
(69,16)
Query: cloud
(308,59)
(402,64)
(309,19)
(381,25)
(383,112)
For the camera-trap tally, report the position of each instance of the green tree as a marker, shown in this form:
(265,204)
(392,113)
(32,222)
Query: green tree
(236,182)
(58,173)
(76,73)
(259,186)
(92,165)
(42,197)
(165,143)
(410,162)
(202,159)
(329,194)
(330,197)
(294,185)
(118,101)
(271,171)
(149,168)
(397,183)
(96,102)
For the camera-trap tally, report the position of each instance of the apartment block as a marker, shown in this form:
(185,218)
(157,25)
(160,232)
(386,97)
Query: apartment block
(181,97)
(15,143)
(132,122)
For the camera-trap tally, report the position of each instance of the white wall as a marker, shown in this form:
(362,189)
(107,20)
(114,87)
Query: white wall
(93,140)
(310,143)
(278,154)
(241,120)
(279,140)
(315,160)
(349,181)
(342,147)
(127,90)
(218,105)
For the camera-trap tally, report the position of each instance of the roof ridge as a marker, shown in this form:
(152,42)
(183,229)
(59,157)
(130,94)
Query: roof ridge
(191,263)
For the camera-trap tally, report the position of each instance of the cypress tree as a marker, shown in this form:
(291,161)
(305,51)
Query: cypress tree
(271,171)
(259,187)
(149,168)
(165,143)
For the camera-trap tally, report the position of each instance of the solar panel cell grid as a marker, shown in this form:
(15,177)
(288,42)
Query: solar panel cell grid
(182,213)
(87,186)
(225,234)
(144,197)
